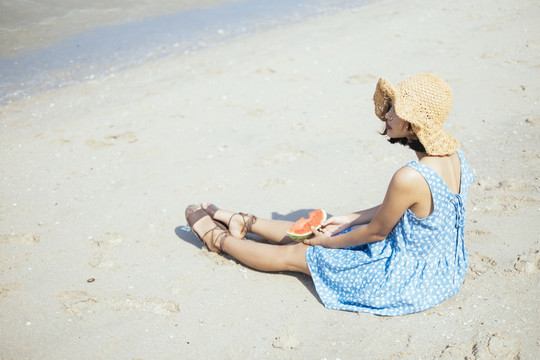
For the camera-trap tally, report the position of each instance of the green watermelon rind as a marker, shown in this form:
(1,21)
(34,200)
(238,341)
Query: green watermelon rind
(300,237)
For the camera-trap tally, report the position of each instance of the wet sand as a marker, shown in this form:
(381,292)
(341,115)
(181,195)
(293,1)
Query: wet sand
(29,25)
(52,45)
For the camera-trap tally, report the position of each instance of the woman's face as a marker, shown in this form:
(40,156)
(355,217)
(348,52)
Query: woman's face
(396,127)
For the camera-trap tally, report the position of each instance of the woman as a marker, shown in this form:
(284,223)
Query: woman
(403,256)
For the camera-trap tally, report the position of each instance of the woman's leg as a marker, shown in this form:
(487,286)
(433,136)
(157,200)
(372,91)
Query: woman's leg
(274,231)
(265,257)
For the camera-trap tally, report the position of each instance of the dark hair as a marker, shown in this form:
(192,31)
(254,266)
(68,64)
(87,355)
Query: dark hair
(416,145)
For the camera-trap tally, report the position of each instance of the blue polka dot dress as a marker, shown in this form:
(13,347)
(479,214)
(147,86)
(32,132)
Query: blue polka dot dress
(421,263)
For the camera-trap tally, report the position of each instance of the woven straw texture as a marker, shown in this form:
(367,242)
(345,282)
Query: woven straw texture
(423,100)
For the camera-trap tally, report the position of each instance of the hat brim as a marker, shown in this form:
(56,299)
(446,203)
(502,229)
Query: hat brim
(384,94)
(440,143)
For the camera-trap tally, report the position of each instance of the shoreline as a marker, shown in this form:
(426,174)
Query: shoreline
(112,47)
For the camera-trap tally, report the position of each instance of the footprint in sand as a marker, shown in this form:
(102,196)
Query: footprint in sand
(81,302)
(274,182)
(77,302)
(127,137)
(102,261)
(108,239)
(19,238)
(533,121)
(477,232)
(286,156)
(485,347)
(361,79)
(5,289)
(480,264)
(512,184)
(529,262)
(266,71)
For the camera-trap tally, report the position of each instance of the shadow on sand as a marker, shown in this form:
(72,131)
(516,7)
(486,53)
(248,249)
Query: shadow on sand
(185,233)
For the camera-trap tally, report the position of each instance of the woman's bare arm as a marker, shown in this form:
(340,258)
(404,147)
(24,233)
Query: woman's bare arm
(406,188)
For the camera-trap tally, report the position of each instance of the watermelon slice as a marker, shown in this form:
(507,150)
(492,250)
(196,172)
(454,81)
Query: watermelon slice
(301,229)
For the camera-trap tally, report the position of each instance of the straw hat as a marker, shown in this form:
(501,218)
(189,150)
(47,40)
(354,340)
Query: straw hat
(424,101)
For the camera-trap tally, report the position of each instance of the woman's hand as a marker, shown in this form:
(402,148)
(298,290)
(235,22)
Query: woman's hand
(318,238)
(335,225)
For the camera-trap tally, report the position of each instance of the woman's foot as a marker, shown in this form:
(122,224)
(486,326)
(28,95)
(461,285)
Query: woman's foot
(239,224)
(212,234)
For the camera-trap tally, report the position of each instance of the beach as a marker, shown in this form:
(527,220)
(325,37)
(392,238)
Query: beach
(96,260)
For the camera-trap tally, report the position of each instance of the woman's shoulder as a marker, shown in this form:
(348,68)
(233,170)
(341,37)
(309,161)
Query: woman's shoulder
(409,188)
(408,177)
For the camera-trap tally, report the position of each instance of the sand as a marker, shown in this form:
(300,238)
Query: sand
(95,263)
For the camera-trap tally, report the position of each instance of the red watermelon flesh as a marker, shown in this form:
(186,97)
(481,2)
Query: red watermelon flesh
(301,229)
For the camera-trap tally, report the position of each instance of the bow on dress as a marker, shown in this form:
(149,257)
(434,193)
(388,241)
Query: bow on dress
(460,212)
(460,224)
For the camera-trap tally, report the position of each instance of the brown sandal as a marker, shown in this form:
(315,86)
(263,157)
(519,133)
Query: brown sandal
(195,213)
(248,224)
(211,210)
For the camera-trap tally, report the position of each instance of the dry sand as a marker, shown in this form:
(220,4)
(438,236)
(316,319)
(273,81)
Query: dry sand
(96,177)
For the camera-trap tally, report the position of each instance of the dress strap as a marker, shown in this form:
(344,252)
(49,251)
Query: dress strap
(428,173)
(467,176)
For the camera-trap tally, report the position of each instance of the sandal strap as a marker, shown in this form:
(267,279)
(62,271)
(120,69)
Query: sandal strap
(220,239)
(211,230)
(248,224)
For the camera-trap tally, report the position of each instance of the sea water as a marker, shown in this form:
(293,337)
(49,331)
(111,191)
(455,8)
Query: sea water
(107,49)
